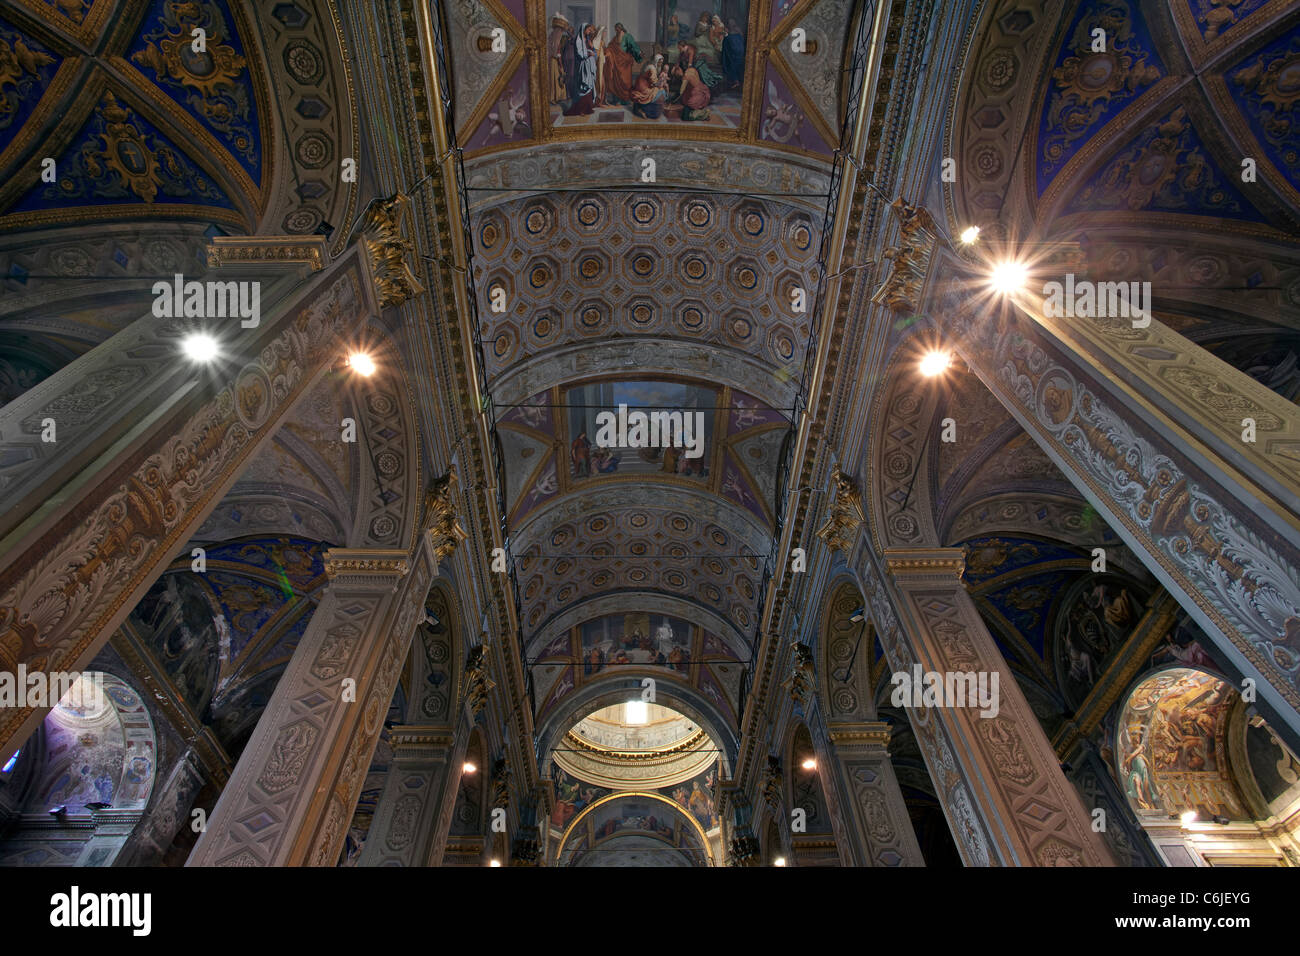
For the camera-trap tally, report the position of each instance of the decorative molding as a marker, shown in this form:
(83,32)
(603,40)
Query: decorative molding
(926,563)
(362,566)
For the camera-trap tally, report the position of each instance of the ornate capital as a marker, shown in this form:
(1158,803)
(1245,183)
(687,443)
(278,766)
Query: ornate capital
(501,776)
(845,518)
(800,683)
(440,519)
(413,742)
(360,566)
(477,683)
(860,735)
(383,226)
(773,783)
(935,564)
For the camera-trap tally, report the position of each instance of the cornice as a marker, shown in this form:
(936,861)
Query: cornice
(943,564)
(360,566)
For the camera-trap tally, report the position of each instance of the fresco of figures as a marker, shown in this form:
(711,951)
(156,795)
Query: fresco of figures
(1098,613)
(695,796)
(636,61)
(639,638)
(587,457)
(1171,749)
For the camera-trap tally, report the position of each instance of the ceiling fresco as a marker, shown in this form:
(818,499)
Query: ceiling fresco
(139,124)
(574,794)
(1156,123)
(666,647)
(527,73)
(223,637)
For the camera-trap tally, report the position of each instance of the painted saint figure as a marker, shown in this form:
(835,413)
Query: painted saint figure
(559,46)
(621,57)
(583,81)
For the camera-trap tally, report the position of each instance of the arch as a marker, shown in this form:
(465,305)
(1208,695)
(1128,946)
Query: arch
(468,837)
(616,690)
(436,659)
(624,795)
(845,657)
(97,745)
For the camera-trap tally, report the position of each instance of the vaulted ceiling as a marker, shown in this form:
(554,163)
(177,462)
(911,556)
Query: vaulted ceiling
(1171,155)
(689,288)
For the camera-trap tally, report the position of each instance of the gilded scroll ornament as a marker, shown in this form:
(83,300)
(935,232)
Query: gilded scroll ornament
(910,259)
(440,515)
(845,517)
(383,225)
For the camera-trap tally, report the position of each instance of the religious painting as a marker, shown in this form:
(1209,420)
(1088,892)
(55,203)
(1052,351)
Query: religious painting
(621,62)
(1171,747)
(572,796)
(640,428)
(1096,617)
(638,638)
(1185,644)
(695,796)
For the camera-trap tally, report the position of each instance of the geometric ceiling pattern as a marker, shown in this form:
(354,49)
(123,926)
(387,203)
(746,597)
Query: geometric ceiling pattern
(709,270)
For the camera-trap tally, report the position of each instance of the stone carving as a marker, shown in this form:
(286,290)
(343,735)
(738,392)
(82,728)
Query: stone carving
(801,678)
(1250,579)
(910,259)
(288,756)
(744,850)
(405,817)
(501,776)
(383,225)
(57,597)
(477,683)
(440,515)
(845,518)
(773,783)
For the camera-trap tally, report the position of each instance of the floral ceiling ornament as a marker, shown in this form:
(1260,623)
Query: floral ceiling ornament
(440,515)
(845,517)
(210,77)
(384,224)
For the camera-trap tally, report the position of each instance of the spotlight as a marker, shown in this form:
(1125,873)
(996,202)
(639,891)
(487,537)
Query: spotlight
(970,235)
(779,861)
(98,805)
(1221,820)
(809,763)
(58,812)
(634,712)
(1188,818)
(362,364)
(495,863)
(200,347)
(469,767)
(935,363)
(1008,277)
(857,616)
